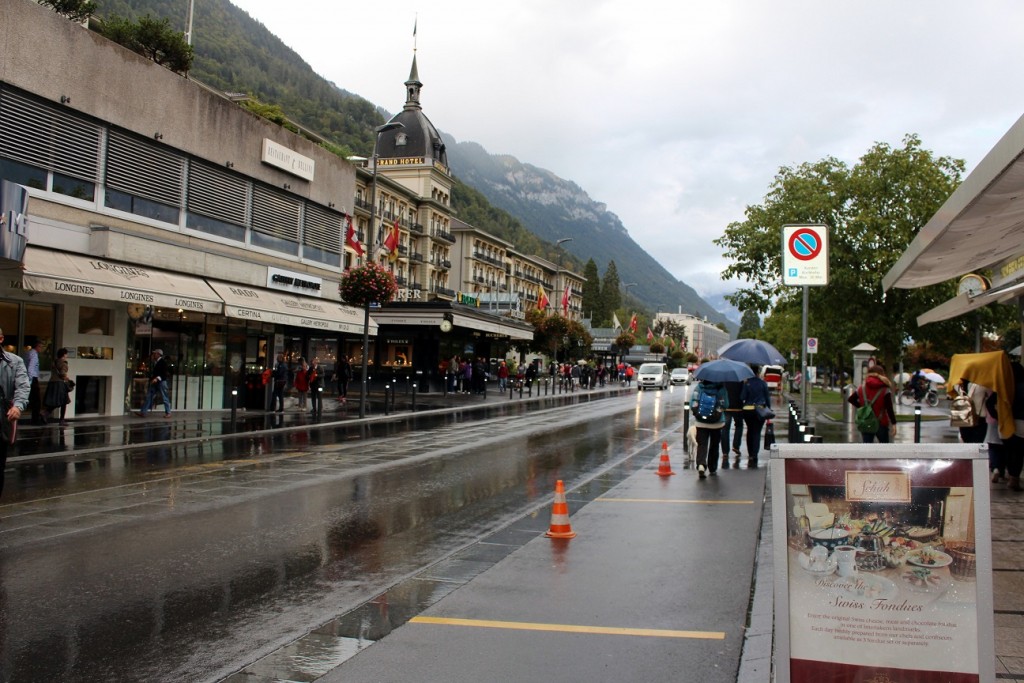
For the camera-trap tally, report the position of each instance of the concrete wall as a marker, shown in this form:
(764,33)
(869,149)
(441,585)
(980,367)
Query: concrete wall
(45,54)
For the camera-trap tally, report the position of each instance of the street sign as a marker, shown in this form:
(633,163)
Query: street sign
(805,255)
(812,345)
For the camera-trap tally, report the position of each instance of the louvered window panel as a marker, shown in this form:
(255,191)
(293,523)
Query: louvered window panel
(322,229)
(41,135)
(143,169)
(275,214)
(216,194)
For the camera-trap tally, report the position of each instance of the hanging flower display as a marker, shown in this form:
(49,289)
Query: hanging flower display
(367,284)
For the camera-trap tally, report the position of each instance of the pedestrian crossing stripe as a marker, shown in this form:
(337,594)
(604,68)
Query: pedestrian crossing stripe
(570,628)
(674,500)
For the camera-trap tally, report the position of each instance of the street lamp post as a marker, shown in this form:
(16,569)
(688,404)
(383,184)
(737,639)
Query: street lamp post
(363,384)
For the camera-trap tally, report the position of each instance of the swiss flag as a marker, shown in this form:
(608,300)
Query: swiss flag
(632,324)
(650,335)
(565,299)
(350,238)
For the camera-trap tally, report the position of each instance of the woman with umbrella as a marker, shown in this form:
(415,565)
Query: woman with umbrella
(755,399)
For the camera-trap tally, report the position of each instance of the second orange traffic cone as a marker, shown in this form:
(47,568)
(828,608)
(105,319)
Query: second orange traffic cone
(560,527)
(664,466)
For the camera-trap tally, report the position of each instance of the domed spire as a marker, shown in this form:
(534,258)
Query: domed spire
(412,88)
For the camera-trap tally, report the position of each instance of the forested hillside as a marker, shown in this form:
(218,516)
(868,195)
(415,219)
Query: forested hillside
(235,53)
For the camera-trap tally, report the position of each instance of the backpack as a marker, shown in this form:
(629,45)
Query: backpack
(708,406)
(961,411)
(867,421)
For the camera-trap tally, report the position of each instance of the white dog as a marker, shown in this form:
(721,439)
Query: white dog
(691,444)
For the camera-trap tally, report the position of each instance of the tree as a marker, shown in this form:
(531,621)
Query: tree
(152,38)
(76,10)
(872,211)
(750,325)
(559,337)
(610,287)
(670,329)
(591,294)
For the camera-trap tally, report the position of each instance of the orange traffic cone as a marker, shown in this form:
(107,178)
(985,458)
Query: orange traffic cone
(560,527)
(664,466)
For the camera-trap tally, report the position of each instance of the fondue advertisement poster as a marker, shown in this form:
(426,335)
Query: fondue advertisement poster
(882,574)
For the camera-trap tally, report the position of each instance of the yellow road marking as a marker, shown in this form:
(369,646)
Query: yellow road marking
(571,628)
(673,500)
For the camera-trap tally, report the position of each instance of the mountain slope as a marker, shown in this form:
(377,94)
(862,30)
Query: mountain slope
(236,53)
(554,208)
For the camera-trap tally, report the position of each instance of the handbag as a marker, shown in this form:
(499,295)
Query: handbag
(71,384)
(765,413)
(769,436)
(8,429)
(56,395)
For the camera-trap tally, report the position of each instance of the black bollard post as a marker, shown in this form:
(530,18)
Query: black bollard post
(521,389)
(511,391)
(412,408)
(917,423)
(385,399)
(234,408)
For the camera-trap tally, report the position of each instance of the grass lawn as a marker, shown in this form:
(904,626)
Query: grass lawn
(826,397)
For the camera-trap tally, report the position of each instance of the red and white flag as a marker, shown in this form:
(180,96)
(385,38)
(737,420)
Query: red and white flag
(565,299)
(632,324)
(391,243)
(350,238)
(650,335)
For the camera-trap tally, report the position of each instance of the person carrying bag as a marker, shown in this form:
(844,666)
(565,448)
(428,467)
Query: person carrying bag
(14,388)
(58,389)
(875,394)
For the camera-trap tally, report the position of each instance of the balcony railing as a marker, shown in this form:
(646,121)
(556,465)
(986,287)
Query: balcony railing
(444,291)
(400,279)
(416,256)
(442,235)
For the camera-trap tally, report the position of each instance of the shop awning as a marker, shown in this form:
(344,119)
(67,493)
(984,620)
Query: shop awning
(57,272)
(496,326)
(979,226)
(267,305)
(965,303)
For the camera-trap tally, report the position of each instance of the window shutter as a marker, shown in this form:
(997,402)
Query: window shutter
(44,136)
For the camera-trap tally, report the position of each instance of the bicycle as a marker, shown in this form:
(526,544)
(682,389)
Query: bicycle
(907,397)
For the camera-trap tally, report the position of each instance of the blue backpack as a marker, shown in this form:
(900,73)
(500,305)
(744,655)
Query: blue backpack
(707,406)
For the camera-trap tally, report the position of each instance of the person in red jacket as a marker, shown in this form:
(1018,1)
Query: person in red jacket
(877,390)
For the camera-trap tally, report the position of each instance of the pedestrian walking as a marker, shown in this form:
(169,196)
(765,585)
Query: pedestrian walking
(280,378)
(756,400)
(14,388)
(708,405)
(316,385)
(301,383)
(876,391)
(733,424)
(159,376)
(342,377)
(57,389)
(35,402)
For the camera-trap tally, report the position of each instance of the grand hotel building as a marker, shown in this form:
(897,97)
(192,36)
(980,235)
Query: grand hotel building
(160,214)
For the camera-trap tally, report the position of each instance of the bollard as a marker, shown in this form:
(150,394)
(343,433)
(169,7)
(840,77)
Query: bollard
(511,392)
(385,399)
(686,430)
(917,423)
(808,432)
(319,401)
(234,407)
(412,408)
(521,389)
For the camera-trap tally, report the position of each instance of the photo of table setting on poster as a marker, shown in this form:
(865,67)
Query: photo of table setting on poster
(882,570)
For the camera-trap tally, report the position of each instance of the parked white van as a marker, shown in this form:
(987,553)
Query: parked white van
(652,375)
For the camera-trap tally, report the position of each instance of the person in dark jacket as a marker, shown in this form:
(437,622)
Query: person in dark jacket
(159,376)
(877,390)
(733,419)
(754,395)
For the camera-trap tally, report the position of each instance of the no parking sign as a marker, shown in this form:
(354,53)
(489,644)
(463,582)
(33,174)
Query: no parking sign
(804,255)
(812,345)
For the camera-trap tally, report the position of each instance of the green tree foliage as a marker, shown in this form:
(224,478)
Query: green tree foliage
(152,38)
(593,303)
(625,341)
(75,10)
(666,328)
(750,325)
(873,211)
(559,337)
(610,292)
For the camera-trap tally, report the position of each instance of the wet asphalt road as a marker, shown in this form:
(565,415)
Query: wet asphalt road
(190,562)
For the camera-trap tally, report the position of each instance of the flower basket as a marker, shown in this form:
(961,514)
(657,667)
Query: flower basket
(368,284)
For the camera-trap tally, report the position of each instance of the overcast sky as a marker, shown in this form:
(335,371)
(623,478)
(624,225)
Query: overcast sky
(677,114)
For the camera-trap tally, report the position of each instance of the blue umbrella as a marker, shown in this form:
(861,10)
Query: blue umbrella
(723,370)
(753,351)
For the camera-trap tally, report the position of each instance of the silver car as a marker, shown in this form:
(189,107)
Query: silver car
(652,375)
